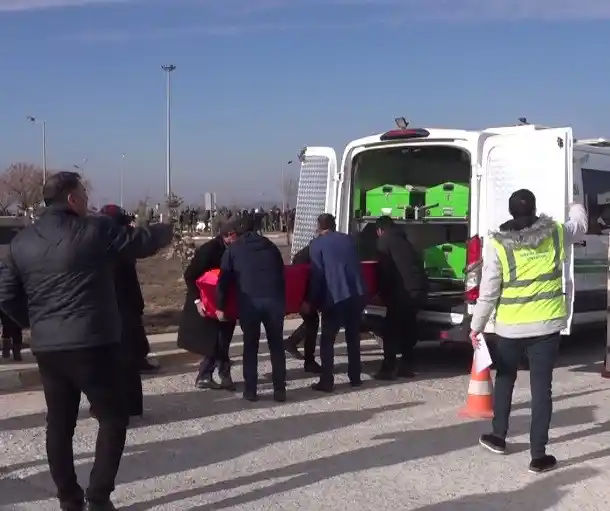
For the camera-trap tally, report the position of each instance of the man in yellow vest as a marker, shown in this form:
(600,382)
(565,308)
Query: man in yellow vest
(522,281)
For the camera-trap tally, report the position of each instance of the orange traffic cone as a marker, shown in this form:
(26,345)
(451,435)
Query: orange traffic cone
(479,404)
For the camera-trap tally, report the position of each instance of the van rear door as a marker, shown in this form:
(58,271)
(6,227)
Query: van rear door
(317,193)
(540,161)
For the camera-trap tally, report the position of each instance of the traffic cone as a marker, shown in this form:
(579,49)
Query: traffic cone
(479,404)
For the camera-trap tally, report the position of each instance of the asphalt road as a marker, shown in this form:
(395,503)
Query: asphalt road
(393,447)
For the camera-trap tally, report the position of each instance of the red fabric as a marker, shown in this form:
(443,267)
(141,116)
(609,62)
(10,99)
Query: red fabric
(296,277)
(207,291)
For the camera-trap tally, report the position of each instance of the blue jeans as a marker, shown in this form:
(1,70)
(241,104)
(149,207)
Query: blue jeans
(542,354)
(347,314)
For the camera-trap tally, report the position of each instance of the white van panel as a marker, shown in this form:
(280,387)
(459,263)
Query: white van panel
(316,193)
(541,161)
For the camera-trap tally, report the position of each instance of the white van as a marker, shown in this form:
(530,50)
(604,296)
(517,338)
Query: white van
(492,164)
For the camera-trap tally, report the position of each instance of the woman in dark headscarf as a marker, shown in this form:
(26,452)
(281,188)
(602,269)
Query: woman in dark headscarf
(131,307)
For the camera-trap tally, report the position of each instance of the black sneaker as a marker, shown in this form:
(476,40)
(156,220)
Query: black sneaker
(543,464)
(493,443)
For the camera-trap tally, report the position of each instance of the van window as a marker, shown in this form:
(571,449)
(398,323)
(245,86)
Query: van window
(596,190)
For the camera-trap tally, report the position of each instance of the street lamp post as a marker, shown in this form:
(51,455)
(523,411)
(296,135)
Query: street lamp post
(122,177)
(34,120)
(169,68)
(283,215)
(284,185)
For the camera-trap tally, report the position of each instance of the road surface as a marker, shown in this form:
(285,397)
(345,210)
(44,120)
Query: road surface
(400,446)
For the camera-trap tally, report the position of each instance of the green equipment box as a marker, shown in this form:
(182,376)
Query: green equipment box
(447,200)
(393,200)
(446,261)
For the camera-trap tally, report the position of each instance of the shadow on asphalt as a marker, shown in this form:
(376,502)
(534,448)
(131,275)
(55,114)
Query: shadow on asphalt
(541,495)
(155,459)
(389,450)
(167,457)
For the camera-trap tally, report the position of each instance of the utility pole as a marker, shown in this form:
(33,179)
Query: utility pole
(122,177)
(43,123)
(169,68)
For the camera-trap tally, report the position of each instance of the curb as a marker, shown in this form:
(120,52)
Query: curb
(28,378)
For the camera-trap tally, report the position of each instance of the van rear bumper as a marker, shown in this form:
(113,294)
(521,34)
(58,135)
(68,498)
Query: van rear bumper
(451,326)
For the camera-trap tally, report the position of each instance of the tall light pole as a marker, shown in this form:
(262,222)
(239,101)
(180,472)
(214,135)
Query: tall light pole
(122,177)
(34,120)
(284,185)
(169,68)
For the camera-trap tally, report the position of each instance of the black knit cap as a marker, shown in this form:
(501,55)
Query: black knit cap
(522,204)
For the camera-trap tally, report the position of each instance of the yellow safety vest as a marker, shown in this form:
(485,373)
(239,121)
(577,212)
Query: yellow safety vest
(532,287)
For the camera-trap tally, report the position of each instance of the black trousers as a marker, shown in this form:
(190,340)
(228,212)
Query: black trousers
(96,372)
(220,355)
(11,330)
(400,332)
(141,339)
(347,314)
(542,354)
(270,314)
(307,333)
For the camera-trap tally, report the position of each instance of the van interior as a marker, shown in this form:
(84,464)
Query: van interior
(426,189)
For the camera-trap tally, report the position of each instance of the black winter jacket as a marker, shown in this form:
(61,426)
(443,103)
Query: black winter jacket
(401,271)
(255,265)
(59,277)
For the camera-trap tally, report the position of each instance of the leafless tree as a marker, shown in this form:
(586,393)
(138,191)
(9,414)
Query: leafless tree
(6,199)
(23,183)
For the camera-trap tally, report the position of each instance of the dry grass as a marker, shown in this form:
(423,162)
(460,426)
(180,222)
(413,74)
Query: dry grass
(163,289)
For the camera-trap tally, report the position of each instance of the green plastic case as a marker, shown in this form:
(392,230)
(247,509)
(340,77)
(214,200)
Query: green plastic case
(393,200)
(447,200)
(447,260)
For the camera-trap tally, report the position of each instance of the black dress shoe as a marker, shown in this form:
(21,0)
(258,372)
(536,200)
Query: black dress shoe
(207,382)
(323,387)
(311,366)
(292,349)
(279,396)
(147,367)
(250,396)
(356,383)
(405,370)
(100,506)
(77,505)
(17,355)
(227,383)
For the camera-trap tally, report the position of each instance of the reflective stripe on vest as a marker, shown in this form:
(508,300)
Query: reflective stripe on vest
(532,287)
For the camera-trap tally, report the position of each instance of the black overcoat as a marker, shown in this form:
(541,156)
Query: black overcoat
(195,333)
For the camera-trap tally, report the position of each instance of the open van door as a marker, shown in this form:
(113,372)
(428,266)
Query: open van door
(317,193)
(542,162)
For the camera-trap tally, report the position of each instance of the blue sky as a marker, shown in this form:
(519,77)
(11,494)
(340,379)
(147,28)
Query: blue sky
(259,79)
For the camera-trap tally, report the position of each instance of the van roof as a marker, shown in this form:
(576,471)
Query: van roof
(447,133)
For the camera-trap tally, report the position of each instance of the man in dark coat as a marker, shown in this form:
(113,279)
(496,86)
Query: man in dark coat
(336,288)
(131,307)
(198,333)
(308,331)
(403,287)
(254,265)
(58,279)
